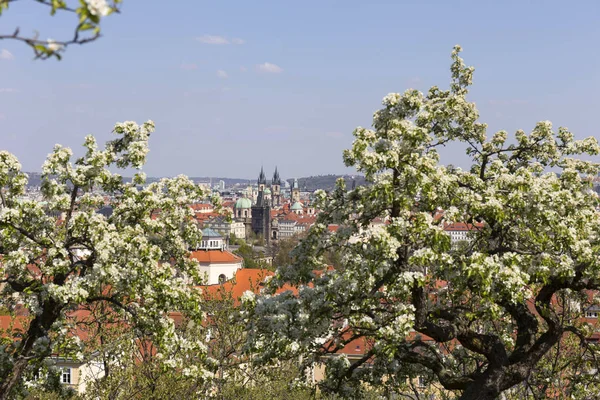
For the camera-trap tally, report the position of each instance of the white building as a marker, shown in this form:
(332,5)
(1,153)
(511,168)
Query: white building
(287,228)
(217,264)
(77,374)
(460,232)
(226,228)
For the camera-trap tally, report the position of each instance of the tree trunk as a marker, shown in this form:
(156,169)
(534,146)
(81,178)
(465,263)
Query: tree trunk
(480,392)
(37,328)
(486,388)
(13,378)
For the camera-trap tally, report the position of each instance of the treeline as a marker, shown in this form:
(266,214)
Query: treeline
(326,182)
(309,183)
(35,180)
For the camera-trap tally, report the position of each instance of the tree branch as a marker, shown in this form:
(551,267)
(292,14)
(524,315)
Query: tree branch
(446,378)
(114,301)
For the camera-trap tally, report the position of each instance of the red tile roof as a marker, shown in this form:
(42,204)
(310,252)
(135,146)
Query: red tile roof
(18,323)
(215,257)
(201,206)
(461,226)
(228,204)
(245,279)
(202,217)
(333,228)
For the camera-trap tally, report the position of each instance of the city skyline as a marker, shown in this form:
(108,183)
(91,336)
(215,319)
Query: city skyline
(285,85)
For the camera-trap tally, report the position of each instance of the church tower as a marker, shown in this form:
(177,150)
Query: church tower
(295,192)
(276,189)
(261,211)
(262,181)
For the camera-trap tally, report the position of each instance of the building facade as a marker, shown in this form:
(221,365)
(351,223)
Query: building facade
(216,263)
(227,227)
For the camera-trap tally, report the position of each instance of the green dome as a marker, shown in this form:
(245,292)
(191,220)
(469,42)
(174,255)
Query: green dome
(296,206)
(243,203)
(267,191)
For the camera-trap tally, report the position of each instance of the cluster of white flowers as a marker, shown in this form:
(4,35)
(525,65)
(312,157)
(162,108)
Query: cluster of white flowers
(8,163)
(63,253)
(399,328)
(527,227)
(99,8)
(248,297)
(53,46)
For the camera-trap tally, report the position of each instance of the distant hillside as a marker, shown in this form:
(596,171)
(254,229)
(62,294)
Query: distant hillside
(326,182)
(309,183)
(35,179)
(228,181)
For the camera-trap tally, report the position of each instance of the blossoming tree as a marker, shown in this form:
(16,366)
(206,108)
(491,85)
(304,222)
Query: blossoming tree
(474,318)
(60,254)
(88,12)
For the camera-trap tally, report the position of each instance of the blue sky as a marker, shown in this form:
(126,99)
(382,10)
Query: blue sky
(329,65)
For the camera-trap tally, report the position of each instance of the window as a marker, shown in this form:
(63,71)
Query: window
(222,279)
(66,375)
(421,382)
(591,314)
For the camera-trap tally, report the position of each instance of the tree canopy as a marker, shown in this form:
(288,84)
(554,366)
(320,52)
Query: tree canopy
(475,318)
(60,255)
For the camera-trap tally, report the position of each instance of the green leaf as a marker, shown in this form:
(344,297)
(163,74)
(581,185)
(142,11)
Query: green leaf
(3,6)
(86,27)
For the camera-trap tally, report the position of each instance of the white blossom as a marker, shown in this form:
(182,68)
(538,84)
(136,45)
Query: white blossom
(99,8)
(53,46)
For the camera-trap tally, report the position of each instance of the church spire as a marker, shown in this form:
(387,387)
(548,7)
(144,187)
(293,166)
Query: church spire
(276,179)
(262,180)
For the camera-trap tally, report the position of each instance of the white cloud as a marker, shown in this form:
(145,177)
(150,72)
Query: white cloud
(212,39)
(2,116)
(270,68)
(243,69)
(216,39)
(188,67)
(8,90)
(6,55)
(222,74)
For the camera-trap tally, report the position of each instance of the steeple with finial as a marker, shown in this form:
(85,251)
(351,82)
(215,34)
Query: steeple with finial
(276,178)
(262,180)
(276,189)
